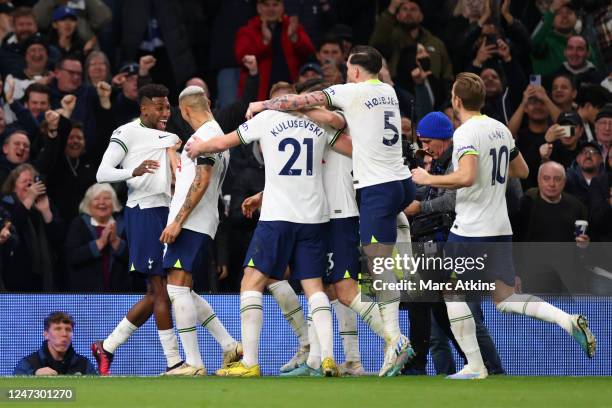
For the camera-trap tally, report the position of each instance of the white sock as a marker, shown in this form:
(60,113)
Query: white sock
(251,320)
(119,335)
(464,329)
(292,310)
(535,307)
(314,356)
(320,309)
(170,346)
(370,314)
(185,317)
(205,316)
(347,324)
(388,303)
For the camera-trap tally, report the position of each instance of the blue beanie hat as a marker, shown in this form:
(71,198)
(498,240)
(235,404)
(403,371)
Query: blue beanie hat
(435,125)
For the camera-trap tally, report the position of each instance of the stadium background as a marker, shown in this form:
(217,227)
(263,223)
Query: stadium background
(526,346)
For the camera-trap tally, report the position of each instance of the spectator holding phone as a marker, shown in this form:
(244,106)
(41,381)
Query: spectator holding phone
(562,140)
(30,267)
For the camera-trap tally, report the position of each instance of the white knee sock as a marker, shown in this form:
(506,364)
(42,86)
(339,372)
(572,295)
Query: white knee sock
(205,316)
(292,310)
(119,335)
(170,346)
(251,320)
(320,309)
(464,329)
(370,314)
(535,307)
(314,356)
(185,317)
(388,303)
(347,323)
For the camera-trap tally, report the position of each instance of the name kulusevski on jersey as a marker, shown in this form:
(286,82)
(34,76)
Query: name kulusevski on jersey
(292,147)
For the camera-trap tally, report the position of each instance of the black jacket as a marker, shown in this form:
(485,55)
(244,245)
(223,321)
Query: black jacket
(30,267)
(72,364)
(85,260)
(67,179)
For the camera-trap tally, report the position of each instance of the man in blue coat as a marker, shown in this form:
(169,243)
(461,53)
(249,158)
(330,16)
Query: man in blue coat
(56,355)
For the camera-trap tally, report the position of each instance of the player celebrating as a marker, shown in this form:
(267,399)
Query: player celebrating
(192,224)
(290,228)
(144,151)
(372,114)
(484,156)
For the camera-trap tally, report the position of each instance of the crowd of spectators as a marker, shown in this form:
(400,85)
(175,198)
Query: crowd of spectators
(70,71)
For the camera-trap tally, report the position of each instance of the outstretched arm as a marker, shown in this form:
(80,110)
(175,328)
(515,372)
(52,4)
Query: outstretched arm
(326,117)
(197,147)
(289,103)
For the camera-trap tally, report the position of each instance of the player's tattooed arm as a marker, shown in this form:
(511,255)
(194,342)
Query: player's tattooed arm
(296,102)
(326,117)
(194,195)
(288,103)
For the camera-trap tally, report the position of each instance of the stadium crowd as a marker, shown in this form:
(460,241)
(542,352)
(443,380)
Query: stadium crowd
(70,71)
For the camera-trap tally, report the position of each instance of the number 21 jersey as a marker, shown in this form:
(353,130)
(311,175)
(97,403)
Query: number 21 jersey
(481,208)
(374,123)
(292,147)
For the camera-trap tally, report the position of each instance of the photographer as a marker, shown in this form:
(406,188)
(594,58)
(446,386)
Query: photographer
(433,217)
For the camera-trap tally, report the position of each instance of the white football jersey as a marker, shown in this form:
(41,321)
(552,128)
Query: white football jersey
(141,143)
(338,182)
(292,147)
(374,123)
(481,209)
(204,218)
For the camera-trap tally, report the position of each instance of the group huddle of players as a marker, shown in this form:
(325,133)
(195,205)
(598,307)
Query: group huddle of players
(319,147)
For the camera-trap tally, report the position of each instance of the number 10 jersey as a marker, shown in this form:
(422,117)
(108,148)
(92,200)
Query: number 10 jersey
(481,208)
(293,147)
(374,123)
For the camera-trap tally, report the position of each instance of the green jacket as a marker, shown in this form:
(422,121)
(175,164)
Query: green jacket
(548,47)
(390,38)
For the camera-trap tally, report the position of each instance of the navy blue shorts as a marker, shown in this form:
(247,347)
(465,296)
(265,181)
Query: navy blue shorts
(495,254)
(143,229)
(278,244)
(188,252)
(378,208)
(342,249)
